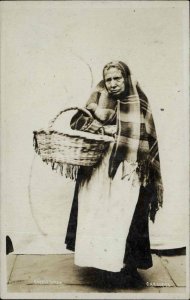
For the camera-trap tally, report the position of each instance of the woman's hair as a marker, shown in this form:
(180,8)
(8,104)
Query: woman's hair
(125,71)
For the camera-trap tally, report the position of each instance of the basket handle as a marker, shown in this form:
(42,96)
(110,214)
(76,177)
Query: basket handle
(84,110)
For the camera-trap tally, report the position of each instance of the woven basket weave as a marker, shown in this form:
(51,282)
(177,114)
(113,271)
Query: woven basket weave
(70,147)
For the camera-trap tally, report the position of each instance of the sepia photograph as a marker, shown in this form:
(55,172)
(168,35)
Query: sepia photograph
(94,149)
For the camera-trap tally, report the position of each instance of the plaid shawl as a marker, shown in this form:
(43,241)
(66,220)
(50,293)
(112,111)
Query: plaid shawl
(136,139)
(136,142)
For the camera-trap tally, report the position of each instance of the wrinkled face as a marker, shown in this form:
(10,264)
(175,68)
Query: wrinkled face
(114,81)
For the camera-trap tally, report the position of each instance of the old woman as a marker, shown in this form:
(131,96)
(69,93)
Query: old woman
(108,225)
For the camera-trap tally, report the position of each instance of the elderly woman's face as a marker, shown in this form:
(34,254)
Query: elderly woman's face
(114,81)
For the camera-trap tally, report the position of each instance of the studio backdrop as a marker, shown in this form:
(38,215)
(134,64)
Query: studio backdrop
(52,57)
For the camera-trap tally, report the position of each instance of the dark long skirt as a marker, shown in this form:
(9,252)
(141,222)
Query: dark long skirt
(137,251)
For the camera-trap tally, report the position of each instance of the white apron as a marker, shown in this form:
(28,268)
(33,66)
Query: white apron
(105,211)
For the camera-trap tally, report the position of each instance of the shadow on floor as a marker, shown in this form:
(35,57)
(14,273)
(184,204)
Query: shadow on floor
(170,252)
(111,280)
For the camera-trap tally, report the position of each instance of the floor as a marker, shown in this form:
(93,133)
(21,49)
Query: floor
(57,273)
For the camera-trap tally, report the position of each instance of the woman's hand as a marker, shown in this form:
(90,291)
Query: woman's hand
(110,130)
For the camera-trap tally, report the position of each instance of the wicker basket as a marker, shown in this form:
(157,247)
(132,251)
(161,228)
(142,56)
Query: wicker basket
(70,147)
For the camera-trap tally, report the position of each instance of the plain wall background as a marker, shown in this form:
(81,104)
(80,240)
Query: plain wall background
(52,54)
